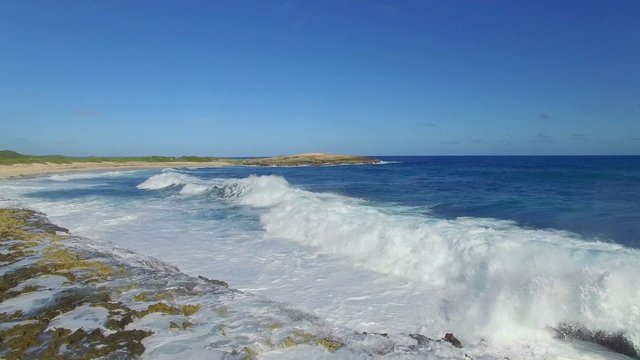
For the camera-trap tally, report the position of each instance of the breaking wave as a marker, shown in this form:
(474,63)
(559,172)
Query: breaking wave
(88,175)
(492,276)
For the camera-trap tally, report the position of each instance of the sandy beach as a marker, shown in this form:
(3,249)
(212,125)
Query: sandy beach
(22,170)
(318,159)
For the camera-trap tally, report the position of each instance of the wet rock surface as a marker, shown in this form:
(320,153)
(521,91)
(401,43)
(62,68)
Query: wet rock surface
(64,297)
(89,278)
(421,339)
(451,339)
(616,341)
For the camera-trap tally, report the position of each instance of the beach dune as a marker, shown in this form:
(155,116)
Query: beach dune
(31,168)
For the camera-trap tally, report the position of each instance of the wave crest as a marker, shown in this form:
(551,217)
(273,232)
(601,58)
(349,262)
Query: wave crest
(167,179)
(88,175)
(493,276)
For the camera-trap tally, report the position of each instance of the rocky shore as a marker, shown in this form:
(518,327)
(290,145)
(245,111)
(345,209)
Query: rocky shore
(310,159)
(65,297)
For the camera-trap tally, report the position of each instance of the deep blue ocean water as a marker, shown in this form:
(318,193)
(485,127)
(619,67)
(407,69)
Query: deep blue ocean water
(597,197)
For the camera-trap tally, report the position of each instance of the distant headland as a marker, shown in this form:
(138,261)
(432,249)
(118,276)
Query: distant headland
(14,164)
(310,159)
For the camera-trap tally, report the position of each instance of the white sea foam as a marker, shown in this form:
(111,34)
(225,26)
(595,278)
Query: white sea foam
(88,175)
(492,278)
(167,179)
(26,302)
(85,317)
(479,278)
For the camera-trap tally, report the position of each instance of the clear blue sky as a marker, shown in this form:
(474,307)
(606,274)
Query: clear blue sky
(241,78)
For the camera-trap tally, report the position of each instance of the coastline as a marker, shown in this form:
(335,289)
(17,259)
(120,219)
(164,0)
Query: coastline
(29,169)
(101,303)
(310,159)
(109,302)
(138,304)
(34,169)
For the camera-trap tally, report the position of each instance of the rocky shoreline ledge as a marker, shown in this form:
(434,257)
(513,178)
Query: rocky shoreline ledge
(64,297)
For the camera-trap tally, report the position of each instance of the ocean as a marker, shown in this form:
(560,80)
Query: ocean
(497,250)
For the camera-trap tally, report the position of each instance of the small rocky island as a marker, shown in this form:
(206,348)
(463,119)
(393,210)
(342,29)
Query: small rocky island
(310,159)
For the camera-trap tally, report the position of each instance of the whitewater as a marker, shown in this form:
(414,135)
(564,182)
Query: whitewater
(360,264)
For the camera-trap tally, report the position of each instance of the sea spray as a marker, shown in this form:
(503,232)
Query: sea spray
(493,277)
(89,175)
(214,224)
(77,298)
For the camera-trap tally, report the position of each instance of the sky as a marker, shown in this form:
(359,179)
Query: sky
(248,78)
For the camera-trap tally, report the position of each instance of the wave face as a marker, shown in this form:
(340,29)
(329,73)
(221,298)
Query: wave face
(490,277)
(88,175)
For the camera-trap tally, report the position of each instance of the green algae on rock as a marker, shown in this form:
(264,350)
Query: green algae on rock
(188,309)
(141,297)
(329,344)
(125,294)
(187,325)
(160,308)
(26,333)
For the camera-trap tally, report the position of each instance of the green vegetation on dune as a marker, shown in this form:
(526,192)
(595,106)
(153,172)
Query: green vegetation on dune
(9,154)
(311,159)
(9,157)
